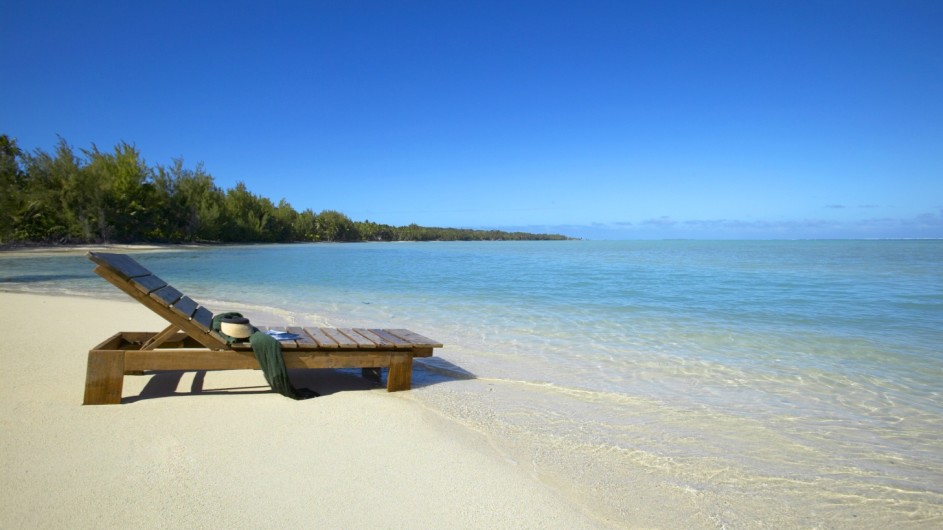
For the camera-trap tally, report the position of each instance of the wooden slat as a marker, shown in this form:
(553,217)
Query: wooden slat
(343,341)
(378,340)
(148,284)
(336,359)
(305,341)
(421,352)
(356,340)
(386,335)
(187,359)
(185,307)
(160,338)
(113,342)
(191,328)
(415,338)
(167,294)
(323,339)
(203,318)
(124,265)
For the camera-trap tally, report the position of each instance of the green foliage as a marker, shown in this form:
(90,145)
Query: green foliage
(127,194)
(104,197)
(11,184)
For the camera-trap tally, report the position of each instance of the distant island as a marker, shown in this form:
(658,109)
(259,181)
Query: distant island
(115,197)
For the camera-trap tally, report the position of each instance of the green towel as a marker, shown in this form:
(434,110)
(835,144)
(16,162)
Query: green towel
(268,352)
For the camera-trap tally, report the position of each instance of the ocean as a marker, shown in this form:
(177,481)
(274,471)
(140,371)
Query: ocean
(748,383)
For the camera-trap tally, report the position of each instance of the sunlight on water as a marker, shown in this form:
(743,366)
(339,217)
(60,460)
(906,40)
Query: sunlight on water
(798,373)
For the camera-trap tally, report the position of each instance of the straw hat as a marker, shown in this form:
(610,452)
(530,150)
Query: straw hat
(236,327)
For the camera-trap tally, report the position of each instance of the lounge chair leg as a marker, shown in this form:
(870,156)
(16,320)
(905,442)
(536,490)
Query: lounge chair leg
(104,377)
(400,376)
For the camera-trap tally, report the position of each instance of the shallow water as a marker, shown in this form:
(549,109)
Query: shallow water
(804,376)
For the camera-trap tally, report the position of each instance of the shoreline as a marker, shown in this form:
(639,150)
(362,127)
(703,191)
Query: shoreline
(202,446)
(54,248)
(619,457)
(357,456)
(58,250)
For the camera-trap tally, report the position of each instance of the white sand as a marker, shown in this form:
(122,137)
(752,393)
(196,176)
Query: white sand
(243,458)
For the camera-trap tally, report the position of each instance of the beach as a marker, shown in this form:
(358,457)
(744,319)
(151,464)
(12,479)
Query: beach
(581,385)
(233,454)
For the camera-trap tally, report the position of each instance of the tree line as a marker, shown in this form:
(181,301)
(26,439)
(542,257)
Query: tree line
(93,196)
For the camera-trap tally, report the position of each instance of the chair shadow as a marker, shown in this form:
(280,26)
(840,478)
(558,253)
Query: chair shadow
(325,381)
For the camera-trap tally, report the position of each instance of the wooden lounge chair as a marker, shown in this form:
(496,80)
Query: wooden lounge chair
(189,343)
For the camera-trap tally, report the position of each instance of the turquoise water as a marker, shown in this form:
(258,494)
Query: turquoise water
(805,373)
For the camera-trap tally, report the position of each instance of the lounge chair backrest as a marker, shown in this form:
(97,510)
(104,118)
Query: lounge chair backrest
(124,272)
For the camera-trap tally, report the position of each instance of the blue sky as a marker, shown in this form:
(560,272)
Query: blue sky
(605,120)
